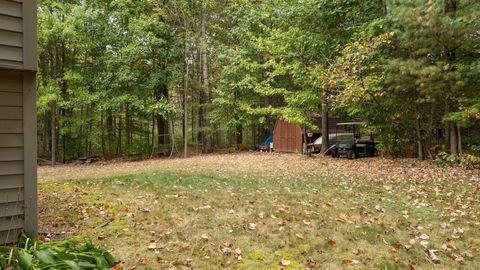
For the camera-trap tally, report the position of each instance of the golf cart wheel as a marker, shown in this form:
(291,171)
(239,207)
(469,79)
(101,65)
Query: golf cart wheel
(351,154)
(335,153)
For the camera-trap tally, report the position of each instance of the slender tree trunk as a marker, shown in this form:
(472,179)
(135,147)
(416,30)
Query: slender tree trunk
(447,136)
(185,108)
(239,136)
(104,150)
(459,139)
(90,128)
(85,149)
(162,121)
(419,139)
(325,131)
(152,150)
(110,134)
(53,149)
(207,136)
(120,131)
(453,139)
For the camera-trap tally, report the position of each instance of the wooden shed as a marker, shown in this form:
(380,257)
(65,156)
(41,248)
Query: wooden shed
(18,64)
(288,137)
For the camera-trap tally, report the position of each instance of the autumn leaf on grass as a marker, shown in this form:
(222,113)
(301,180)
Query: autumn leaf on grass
(433,256)
(118,266)
(152,246)
(284,262)
(332,242)
(344,218)
(238,254)
(350,262)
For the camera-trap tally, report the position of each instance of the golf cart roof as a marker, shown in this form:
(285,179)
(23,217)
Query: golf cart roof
(351,123)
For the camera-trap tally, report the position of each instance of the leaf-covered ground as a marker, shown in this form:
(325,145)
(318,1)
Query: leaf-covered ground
(268,211)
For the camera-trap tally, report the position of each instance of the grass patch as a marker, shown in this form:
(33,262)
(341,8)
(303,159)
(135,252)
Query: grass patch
(209,217)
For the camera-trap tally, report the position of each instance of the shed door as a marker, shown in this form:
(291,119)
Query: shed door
(11,156)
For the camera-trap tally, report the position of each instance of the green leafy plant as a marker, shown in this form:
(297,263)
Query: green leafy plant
(76,253)
(468,161)
(444,159)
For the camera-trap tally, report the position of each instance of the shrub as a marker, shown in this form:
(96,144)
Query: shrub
(75,253)
(444,159)
(468,161)
(465,161)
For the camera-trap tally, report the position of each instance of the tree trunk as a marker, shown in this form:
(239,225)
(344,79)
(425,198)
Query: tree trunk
(459,139)
(53,149)
(120,131)
(421,155)
(162,121)
(447,136)
(104,150)
(110,134)
(325,131)
(453,139)
(239,136)
(185,107)
(207,136)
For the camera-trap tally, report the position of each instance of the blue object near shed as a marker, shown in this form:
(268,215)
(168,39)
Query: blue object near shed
(265,146)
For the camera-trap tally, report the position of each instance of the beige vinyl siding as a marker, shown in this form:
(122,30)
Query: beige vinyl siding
(11,38)
(11,167)
(11,113)
(11,53)
(11,34)
(11,181)
(11,126)
(11,140)
(18,65)
(11,223)
(12,195)
(11,155)
(11,8)
(10,23)
(11,99)
(10,228)
(10,236)
(11,209)
(11,81)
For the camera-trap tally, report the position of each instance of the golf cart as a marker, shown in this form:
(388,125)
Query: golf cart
(354,145)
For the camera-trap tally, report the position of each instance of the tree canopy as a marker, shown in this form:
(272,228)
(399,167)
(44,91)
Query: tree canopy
(122,77)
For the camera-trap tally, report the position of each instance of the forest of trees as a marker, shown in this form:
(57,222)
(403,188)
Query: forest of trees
(132,78)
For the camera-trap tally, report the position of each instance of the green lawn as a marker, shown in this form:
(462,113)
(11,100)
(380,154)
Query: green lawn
(269,212)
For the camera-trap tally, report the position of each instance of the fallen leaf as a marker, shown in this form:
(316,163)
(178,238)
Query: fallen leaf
(226,250)
(424,243)
(349,262)
(284,262)
(152,246)
(332,242)
(424,237)
(433,256)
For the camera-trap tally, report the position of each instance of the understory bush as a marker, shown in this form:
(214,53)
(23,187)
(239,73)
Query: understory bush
(76,253)
(466,161)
